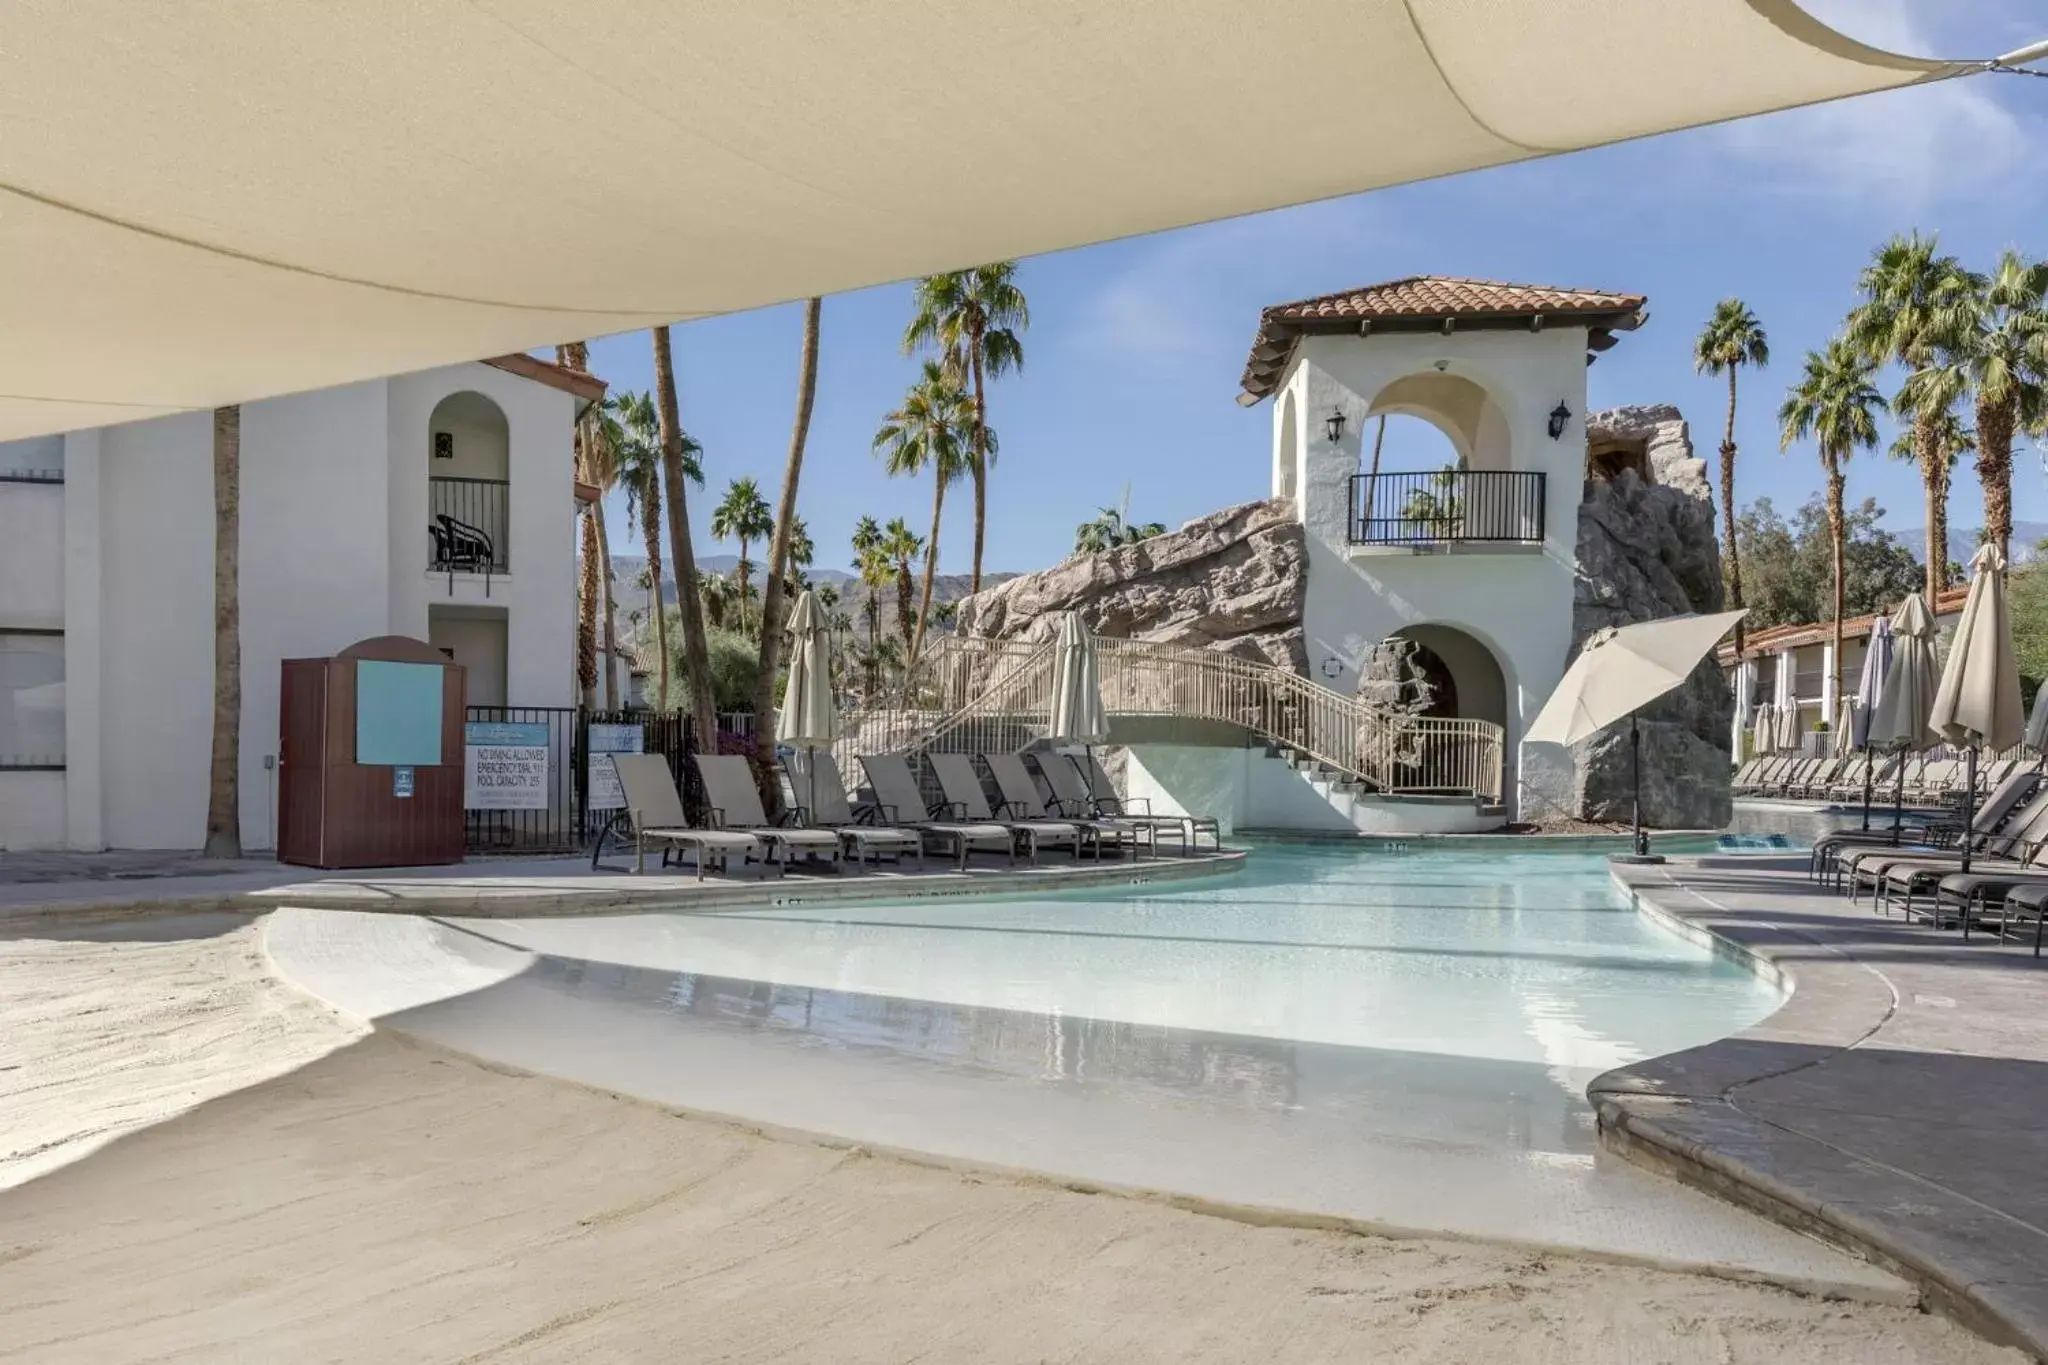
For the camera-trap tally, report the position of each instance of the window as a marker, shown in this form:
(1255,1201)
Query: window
(31,699)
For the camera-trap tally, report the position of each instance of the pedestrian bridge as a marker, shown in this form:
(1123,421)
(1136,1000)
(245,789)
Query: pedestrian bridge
(981,696)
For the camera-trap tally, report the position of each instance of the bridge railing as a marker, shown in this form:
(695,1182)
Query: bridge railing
(983,696)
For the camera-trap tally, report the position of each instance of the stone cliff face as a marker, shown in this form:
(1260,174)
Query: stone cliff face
(1234,580)
(1648,549)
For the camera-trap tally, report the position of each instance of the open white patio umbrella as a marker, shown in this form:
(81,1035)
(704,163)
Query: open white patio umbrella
(1977,705)
(1620,671)
(808,719)
(1899,723)
(1877,661)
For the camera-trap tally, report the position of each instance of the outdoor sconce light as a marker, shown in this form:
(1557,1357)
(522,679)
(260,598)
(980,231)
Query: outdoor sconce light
(1333,425)
(1559,415)
(1332,666)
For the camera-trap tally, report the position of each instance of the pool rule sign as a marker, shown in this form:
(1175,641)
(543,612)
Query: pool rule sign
(606,740)
(504,766)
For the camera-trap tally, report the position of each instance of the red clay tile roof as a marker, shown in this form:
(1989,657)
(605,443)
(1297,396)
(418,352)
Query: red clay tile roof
(1756,644)
(1429,302)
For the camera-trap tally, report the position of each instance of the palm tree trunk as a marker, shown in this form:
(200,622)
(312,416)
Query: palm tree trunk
(696,655)
(611,623)
(1943,475)
(778,554)
(1836,525)
(587,614)
(931,564)
(650,531)
(905,590)
(872,663)
(224,794)
(1933,477)
(980,470)
(1994,471)
(1729,551)
(739,573)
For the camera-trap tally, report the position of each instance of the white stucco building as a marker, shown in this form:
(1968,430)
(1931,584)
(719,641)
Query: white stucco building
(438,505)
(1473,560)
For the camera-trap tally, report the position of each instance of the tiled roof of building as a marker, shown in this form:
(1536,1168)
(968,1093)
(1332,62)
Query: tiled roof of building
(585,386)
(1776,639)
(1430,302)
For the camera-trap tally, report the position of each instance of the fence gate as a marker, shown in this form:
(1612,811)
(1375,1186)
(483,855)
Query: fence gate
(528,773)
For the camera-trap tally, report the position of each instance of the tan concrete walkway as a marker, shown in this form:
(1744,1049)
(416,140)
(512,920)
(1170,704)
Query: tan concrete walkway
(1897,1104)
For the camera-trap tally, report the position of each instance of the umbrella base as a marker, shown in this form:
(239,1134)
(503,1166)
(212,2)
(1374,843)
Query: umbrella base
(1635,859)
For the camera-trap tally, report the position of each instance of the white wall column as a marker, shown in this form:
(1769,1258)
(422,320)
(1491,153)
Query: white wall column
(84,813)
(1829,698)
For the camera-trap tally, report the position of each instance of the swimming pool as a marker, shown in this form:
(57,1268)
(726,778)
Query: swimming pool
(1397,1039)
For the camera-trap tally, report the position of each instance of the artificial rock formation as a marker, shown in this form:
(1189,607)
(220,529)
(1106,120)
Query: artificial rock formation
(1647,549)
(1234,580)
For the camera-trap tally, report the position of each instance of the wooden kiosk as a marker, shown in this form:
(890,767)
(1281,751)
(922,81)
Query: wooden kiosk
(370,757)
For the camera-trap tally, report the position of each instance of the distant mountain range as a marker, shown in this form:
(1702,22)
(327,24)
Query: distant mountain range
(1962,542)
(947,587)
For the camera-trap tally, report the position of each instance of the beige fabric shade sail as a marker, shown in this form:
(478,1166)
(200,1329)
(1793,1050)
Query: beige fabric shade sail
(1624,669)
(214,201)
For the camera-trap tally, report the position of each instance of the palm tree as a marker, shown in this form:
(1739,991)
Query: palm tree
(601,437)
(1952,441)
(973,316)
(1907,286)
(781,556)
(1993,341)
(690,611)
(742,516)
(639,462)
(575,355)
(1109,530)
(873,567)
(224,776)
(1836,403)
(719,598)
(1731,339)
(801,548)
(926,434)
(899,549)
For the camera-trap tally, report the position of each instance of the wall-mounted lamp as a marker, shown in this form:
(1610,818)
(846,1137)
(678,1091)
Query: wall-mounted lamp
(1333,425)
(1559,416)
(444,445)
(1332,666)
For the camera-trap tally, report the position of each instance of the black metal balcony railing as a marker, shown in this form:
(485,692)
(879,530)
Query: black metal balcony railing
(1496,506)
(468,525)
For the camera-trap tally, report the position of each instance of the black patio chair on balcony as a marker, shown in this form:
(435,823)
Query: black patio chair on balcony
(460,547)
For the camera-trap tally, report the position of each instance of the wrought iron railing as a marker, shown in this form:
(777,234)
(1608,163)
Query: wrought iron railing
(983,696)
(469,525)
(1448,506)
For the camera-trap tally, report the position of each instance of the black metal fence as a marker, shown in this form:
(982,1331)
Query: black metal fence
(1447,506)
(469,523)
(554,800)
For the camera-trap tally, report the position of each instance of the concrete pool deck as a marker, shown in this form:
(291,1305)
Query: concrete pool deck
(1896,1105)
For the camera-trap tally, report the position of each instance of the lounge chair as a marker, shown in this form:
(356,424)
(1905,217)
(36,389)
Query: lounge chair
(1908,872)
(1021,799)
(897,800)
(2027,902)
(1829,849)
(1104,794)
(654,816)
(962,787)
(1070,796)
(736,804)
(814,777)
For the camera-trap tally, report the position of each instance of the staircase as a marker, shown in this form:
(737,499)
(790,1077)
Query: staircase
(987,696)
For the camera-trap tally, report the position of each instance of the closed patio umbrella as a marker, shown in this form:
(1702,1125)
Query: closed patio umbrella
(1764,734)
(1077,714)
(1877,659)
(1977,704)
(1788,729)
(1842,734)
(2036,736)
(1899,722)
(1617,673)
(808,719)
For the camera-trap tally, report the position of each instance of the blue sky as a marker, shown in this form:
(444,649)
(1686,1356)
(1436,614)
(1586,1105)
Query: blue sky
(1135,347)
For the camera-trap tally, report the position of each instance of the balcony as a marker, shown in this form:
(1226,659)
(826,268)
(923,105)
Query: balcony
(1447,508)
(468,525)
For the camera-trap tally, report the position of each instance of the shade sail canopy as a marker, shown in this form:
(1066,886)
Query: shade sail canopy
(216,201)
(1624,669)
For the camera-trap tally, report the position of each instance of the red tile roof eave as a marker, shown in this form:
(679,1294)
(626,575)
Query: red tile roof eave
(1775,639)
(585,386)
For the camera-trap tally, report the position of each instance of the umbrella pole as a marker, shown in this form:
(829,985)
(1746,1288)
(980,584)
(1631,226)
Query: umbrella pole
(1969,814)
(1635,766)
(1868,778)
(1899,797)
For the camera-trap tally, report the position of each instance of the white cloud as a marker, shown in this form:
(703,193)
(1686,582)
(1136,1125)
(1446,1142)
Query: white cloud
(1906,148)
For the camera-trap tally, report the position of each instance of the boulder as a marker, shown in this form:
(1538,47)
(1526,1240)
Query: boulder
(1647,549)
(1234,580)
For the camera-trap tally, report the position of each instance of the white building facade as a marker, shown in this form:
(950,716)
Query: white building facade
(438,505)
